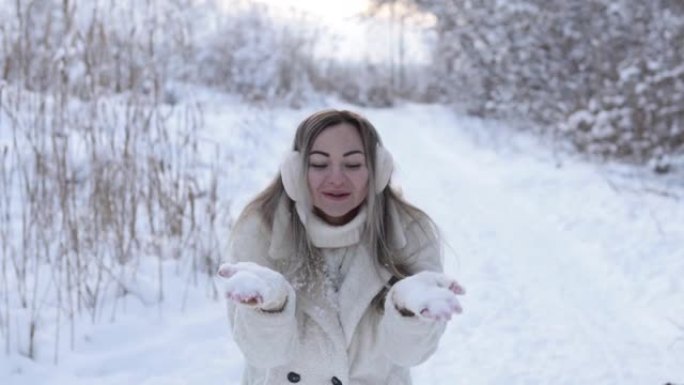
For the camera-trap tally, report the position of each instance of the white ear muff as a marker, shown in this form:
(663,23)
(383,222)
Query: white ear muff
(291,174)
(384,165)
(294,181)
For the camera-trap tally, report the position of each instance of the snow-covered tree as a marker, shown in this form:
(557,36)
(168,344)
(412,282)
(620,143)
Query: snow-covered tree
(606,73)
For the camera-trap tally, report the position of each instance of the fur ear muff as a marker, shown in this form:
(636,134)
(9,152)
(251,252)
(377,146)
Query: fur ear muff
(384,165)
(292,176)
(294,181)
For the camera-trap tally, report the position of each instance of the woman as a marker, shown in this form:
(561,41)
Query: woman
(334,279)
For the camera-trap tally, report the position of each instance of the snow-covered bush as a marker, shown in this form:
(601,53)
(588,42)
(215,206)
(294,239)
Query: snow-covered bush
(93,48)
(90,191)
(259,55)
(98,172)
(364,84)
(642,118)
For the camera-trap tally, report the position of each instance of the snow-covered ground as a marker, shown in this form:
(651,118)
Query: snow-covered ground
(574,272)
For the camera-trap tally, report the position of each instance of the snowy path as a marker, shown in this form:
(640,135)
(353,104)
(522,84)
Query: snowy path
(550,258)
(569,280)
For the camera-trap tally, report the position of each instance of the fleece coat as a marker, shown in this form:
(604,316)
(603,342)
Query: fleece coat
(327,335)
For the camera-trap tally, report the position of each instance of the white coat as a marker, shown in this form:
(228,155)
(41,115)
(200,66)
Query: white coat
(314,341)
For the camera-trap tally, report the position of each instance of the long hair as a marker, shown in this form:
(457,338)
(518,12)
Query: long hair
(378,220)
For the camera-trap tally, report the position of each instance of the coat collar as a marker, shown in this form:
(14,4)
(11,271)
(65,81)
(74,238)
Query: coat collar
(281,245)
(325,235)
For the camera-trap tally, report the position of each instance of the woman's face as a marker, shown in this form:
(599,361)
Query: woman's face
(337,176)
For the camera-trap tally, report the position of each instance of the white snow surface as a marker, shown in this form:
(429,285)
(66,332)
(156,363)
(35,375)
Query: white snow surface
(574,271)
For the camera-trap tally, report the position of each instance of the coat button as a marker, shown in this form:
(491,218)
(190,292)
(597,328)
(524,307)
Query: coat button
(335,381)
(293,377)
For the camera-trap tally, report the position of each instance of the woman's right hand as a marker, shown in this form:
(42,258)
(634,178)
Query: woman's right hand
(253,285)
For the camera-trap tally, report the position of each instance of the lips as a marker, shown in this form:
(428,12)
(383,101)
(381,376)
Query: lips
(336,196)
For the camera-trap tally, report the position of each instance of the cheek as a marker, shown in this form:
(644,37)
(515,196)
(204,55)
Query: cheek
(361,182)
(313,180)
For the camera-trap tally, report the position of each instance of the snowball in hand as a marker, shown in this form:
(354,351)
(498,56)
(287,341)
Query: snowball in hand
(248,283)
(430,294)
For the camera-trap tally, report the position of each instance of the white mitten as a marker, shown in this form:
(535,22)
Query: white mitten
(428,294)
(253,285)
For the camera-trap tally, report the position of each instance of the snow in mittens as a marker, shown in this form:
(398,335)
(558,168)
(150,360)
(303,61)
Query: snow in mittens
(247,281)
(428,294)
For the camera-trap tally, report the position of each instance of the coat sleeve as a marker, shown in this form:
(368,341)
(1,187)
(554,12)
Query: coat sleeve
(410,340)
(265,338)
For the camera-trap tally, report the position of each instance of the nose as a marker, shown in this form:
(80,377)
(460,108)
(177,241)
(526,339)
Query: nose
(337,176)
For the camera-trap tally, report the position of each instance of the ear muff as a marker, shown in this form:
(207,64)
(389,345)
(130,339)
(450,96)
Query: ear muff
(291,172)
(384,165)
(294,182)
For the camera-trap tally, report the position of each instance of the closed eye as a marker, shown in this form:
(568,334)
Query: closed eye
(318,166)
(353,166)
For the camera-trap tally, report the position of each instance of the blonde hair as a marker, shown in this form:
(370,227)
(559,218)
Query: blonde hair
(378,220)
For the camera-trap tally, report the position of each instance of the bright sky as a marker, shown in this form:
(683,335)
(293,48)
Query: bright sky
(353,38)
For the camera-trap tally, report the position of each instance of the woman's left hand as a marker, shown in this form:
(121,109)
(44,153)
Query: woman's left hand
(428,294)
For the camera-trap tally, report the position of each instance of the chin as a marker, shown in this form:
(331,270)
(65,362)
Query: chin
(336,213)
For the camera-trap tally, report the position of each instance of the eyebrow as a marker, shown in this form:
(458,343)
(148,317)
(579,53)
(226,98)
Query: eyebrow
(348,153)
